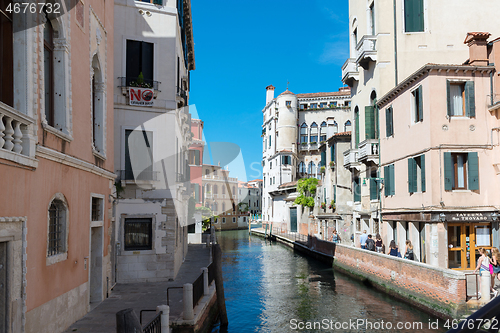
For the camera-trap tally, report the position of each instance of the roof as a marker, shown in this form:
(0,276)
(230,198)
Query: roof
(286,92)
(290,184)
(476,35)
(255,180)
(325,94)
(348,133)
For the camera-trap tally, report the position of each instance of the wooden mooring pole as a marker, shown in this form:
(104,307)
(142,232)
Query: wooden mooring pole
(219,284)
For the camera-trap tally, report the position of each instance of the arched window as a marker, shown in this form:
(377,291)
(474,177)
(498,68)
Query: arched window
(48,71)
(302,169)
(322,132)
(303,133)
(207,172)
(347,126)
(215,207)
(335,127)
(57,226)
(311,169)
(98,107)
(215,189)
(314,133)
(207,189)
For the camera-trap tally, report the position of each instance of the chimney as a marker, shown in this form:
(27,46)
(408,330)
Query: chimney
(477,43)
(269,94)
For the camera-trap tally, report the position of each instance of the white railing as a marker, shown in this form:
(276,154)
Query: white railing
(14,133)
(368,149)
(366,50)
(350,70)
(350,157)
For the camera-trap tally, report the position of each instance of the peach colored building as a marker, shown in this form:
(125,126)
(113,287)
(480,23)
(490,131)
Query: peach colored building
(220,192)
(196,159)
(439,152)
(56,162)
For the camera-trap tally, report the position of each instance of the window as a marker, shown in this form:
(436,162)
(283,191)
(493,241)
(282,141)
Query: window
(389,184)
(314,133)
(234,219)
(314,105)
(48,71)
(194,157)
(302,169)
(288,104)
(333,158)
(323,157)
(223,220)
(414,15)
(98,89)
(138,234)
(270,165)
(196,192)
(138,155)
(223,190)
(333,105)
(270,181)
(223,206)
(461,171)
(322,132)
(461,99)
(372,19)
(311,169)
(356,128)
(207,172)
(374,189)
(417,108)
(57,232)
(336,127)
(269,141)
(216,221)
(323,105)
(389,127)
(356,188)
(303,133)
(416,174)
(156,2)
(274,180)
(370,122)
(140,60)
(97,209)
(286,160)
(215,189)
(6,56)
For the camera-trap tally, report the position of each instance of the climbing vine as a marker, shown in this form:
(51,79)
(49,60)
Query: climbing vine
(307,189)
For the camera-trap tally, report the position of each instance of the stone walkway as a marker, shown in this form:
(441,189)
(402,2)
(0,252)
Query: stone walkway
(144,296)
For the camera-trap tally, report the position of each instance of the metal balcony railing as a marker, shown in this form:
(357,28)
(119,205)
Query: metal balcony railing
(134,82)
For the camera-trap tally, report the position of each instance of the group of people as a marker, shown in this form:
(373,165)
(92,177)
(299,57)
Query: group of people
(491,264)
(368,243)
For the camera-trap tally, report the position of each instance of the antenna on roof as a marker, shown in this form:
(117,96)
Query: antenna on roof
(287,83)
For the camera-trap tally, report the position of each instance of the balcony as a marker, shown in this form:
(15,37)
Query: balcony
(133,82)
(351,159)
(350,72)
(368,151)
(366,51)
(309,146)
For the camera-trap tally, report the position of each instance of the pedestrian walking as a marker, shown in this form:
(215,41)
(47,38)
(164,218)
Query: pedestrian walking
(362,239)
(370,243)
(393,249)
(409,250)
(335,237)
(483,265)
(379,245)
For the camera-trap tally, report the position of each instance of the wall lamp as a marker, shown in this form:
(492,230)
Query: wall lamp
(494,216)
(442,217)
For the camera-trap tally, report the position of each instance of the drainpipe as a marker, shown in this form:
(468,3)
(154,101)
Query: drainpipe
(395,48)
(491,94)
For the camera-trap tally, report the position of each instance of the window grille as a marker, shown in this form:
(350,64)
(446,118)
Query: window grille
(56,228)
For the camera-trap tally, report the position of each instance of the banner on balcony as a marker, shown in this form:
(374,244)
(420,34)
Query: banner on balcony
(140,96)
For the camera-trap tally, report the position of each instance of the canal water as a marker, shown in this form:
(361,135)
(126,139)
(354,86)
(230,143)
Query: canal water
(271,288)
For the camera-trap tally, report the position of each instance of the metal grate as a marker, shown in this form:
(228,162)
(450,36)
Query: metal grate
(56,228)
(197,289)
(96,209)
(154,326)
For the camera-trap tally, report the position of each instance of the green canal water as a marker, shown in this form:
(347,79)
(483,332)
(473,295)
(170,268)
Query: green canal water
(271,288)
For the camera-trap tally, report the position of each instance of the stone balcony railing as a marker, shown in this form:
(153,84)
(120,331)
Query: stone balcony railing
(368,151)
(17,142)
(350,72)
(351,159)
(366,51)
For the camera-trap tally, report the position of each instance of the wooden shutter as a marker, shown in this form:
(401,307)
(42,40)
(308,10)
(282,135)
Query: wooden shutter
(449,111)
(387,181)
(420,105)
(409,25)
(197,192)
(332,152)
(388,122)
(473,171)
(411,175)
(422,171)
(133,59)
(418,15)
(470,100)
(356,128)
(373,189)
(369,122)
(323,157)
(449,177)
(393,184)
(197,157)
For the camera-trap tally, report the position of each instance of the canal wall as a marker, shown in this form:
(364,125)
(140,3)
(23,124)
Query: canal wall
(439,291)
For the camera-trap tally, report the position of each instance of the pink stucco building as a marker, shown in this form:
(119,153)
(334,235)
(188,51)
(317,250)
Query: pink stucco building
(439,152)
(196,160)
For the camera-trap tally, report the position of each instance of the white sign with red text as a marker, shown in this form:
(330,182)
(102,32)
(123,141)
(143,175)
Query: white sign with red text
(140,96)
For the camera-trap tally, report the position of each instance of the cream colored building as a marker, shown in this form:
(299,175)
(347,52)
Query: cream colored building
(219,191)
(388,42)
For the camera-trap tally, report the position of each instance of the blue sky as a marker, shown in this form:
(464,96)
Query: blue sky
(243,46)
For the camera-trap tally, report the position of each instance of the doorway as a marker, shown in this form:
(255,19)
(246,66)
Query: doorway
(464,240)
(293,219)
(96,254)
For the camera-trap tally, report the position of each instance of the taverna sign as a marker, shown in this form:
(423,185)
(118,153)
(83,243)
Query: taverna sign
(140,96)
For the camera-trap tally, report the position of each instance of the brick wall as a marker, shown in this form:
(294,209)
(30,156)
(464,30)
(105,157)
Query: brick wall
(439,290)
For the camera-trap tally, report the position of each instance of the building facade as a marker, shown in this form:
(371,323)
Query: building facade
(56,152)
(153,58)
(250,194)
(220,192)
(196,160)
(441,158)
(388,42)
(294,128)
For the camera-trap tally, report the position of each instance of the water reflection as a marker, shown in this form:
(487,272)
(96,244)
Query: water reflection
(271,288)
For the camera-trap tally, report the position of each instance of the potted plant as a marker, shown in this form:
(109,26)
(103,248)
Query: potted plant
(314,142)
(322,169)
(323,206)
(304,143)
(332,164)
(332,205)
(140,82)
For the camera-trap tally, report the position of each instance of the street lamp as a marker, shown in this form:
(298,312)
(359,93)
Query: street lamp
(494,216)
(442,217)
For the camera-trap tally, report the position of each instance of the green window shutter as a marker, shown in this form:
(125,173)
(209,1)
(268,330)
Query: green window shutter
(197,192)
(373,189)
(332,152)
(420,105)
(357,190)
(369,122)
(449,176)
(388,121)
(449,112)
(409,15)
(158,2)
(323,157)
(393,184)
(269,141)
(387,181)
(283,160)
(422,170)
(411,182)
(470,100)
(473,171)
(197,157)
(418,12)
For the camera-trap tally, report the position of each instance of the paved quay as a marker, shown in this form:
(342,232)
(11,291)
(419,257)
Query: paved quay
(144,296)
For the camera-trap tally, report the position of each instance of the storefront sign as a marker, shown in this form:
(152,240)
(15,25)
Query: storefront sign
(141,96)
(469,217)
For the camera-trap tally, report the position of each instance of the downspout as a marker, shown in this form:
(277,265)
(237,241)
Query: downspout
(395,48)
(491,91)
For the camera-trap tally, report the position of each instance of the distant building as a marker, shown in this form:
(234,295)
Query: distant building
(294,129)
(220,192)
(250,196)
(196,160)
